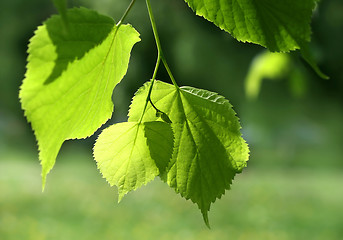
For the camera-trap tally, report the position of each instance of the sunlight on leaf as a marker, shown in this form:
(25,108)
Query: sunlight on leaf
(131,154)
(279,25)
(208,149)
(67,90)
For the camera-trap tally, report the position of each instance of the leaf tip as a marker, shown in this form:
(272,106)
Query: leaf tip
(43,181)
(205,217)
(121,194)
(307,55)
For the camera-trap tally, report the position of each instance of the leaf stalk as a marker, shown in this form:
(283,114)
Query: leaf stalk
(160,57)
(126,13)
(158,43)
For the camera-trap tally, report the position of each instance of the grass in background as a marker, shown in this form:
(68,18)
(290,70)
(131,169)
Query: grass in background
(79,204)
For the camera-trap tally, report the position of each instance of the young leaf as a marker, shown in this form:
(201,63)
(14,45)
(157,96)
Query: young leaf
(131,154)
(279,25)
(70,77)
(208,148)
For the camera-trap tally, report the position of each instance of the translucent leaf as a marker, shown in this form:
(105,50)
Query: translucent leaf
(70,78)
(279,25)
(208,147)
(131,154)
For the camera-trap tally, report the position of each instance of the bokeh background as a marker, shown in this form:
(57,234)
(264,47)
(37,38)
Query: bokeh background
(292,188)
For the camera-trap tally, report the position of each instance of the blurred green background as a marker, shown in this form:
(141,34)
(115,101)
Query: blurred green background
(292,188)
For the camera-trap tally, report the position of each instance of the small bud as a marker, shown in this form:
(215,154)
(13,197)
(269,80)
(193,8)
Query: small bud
(158,114)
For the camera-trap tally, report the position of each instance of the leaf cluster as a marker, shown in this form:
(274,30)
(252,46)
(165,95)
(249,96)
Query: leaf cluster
(189,137)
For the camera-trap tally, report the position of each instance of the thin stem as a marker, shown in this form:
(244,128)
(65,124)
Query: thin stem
(126,13)
(152,20)
(153,105)
(148,99)
(154,28)
(169,72)
(154,76)
(158,43)
(160,58)
(61,6)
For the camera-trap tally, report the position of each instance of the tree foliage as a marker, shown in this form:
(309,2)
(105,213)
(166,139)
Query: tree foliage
(189,137)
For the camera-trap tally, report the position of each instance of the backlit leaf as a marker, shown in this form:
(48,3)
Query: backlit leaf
(279,25)
(131,154)
(208,148)
(71,73)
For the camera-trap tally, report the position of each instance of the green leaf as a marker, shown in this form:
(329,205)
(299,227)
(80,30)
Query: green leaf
(208,148)
(67,90)
(279,25)
(132,154)
(266,65)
